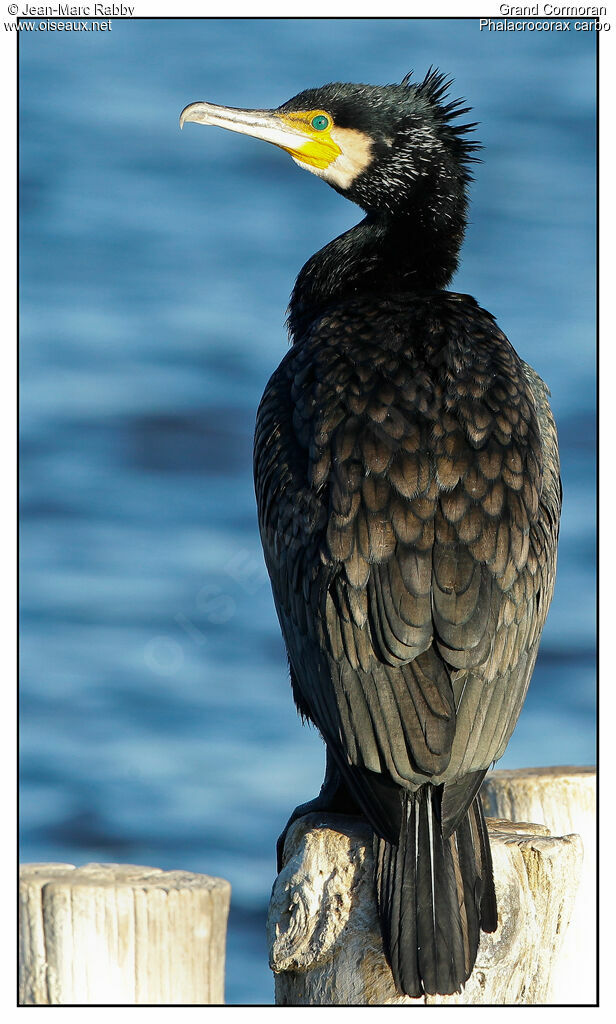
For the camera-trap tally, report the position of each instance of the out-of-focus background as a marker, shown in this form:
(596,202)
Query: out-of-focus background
(157,724)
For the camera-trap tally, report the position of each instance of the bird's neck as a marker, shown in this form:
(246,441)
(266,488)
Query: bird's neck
(381,255)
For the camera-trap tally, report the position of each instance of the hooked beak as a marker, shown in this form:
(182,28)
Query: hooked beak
(289,133)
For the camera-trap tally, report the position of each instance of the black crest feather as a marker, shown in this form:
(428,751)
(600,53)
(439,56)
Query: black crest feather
(434,88)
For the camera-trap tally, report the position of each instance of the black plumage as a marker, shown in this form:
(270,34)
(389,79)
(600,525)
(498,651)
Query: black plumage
(408,491)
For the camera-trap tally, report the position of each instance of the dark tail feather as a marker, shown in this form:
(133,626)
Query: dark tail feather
(434,895)
(489,912)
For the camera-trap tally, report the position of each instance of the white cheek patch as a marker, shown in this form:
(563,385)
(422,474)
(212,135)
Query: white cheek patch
(355,157)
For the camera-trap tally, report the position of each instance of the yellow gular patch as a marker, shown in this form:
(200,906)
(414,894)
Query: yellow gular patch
(316,148)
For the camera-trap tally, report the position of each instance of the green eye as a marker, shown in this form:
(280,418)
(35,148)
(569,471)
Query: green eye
(320,123)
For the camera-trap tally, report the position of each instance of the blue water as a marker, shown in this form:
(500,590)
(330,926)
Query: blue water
(157,724)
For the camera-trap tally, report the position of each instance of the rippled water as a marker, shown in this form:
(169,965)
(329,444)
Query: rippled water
(157,721)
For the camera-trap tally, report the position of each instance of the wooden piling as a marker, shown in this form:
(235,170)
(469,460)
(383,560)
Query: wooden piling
(323,931)
(564,799)
(120,934)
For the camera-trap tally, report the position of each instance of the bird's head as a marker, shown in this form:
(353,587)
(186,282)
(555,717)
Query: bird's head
(387,148)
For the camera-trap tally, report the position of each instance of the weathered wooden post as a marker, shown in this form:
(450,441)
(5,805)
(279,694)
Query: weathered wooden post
(564,799)
(324,936)
(120,933)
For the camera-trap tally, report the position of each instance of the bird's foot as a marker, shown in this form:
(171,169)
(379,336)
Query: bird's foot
(334,798)
(311,805)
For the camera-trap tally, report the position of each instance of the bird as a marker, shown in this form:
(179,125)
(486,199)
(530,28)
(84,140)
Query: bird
(408,491)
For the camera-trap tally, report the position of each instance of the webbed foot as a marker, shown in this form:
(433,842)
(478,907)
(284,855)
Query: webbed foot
(334,797)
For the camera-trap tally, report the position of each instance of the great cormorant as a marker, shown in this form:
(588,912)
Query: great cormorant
(408,490)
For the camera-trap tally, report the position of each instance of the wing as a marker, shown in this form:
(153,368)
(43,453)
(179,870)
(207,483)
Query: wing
(408,495)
